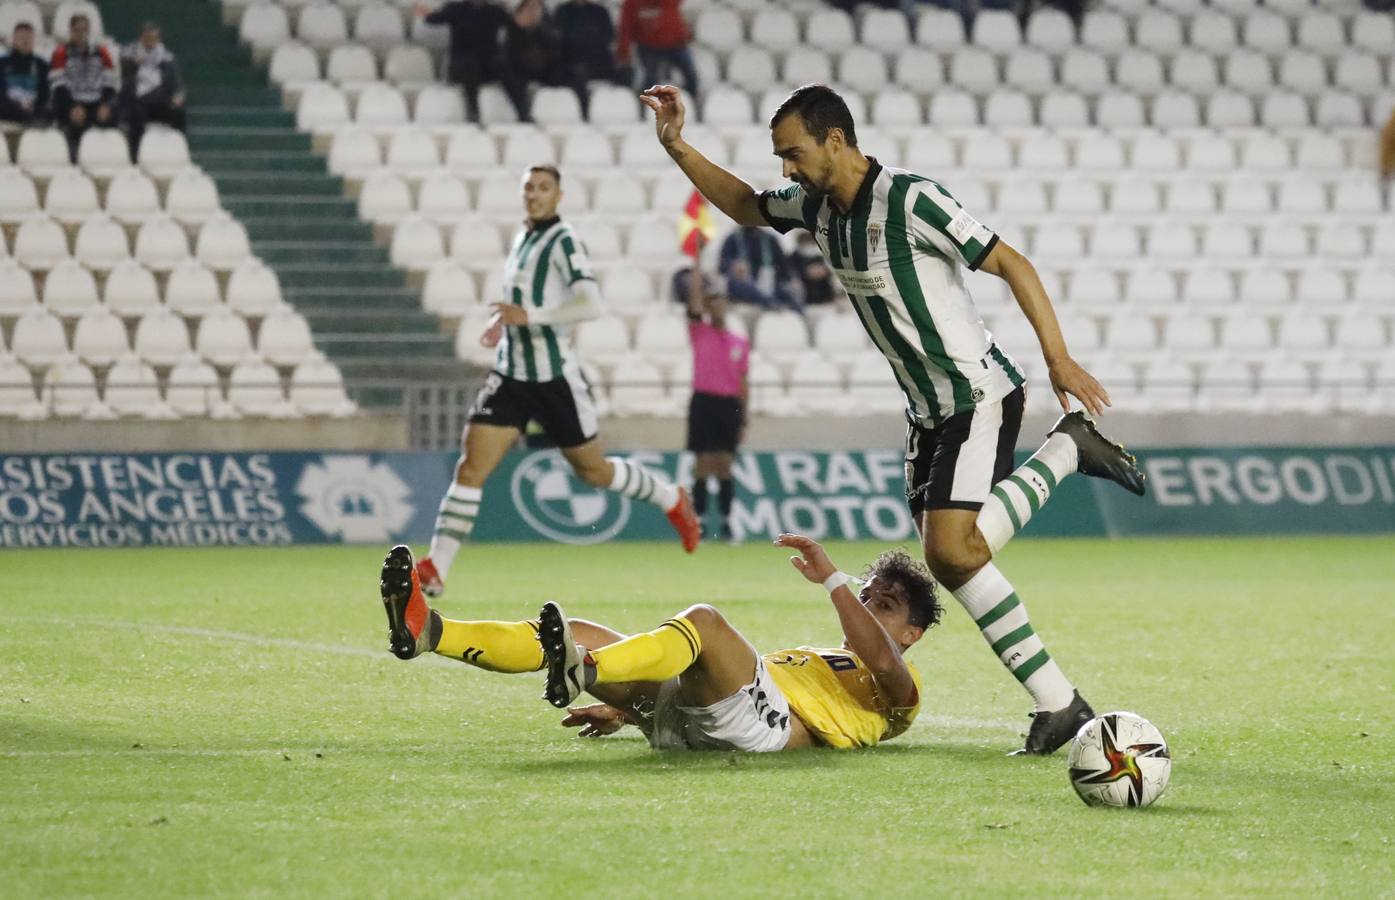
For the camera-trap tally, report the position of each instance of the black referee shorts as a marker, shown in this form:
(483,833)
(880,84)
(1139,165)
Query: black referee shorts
(714,423)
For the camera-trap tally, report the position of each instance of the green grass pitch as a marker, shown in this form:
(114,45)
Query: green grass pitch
(229,722)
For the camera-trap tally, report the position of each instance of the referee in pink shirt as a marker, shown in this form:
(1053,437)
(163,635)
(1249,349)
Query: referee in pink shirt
(717,412)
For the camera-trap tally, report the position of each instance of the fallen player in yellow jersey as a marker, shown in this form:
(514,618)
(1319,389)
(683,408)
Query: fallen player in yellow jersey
(695,682)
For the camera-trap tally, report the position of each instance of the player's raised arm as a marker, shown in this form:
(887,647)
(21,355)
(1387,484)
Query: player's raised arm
(1068,379)
(865,636)
(722,189)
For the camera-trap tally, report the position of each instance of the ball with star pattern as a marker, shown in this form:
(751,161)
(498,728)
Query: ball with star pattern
(1119,759)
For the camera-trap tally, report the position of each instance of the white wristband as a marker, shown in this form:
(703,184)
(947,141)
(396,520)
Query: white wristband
(835,581)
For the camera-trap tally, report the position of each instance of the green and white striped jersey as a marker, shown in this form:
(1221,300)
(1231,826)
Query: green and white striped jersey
(900,254)
(544,271)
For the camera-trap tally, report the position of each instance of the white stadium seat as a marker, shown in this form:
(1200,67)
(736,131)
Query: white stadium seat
(42,151)
(163,151)
(321,25)
(37,337)
(437,105)
(254,388)
(40,242)
(132,389)
(69,289)
(443,197)
(293,64)
(132,198)
(192,197)
(70,388)
(19,198)
(222,337)
(408,64)
(161,337)
(71,197)
(384,198)
(191,289)
(222,243)
(193,388)
(264,26)
(253,289)
(17,395)
(284,338)
(100,337)
(411,150)
(104,152)
(379,26)
(416,244)
(17,292)
(351,65)
(317,388)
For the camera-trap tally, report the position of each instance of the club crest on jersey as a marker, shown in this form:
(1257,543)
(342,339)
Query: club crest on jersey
(874,236)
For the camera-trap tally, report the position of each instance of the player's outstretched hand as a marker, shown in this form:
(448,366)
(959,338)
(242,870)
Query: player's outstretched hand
(812,562)
(667,103)
(1068,380)
(596,720)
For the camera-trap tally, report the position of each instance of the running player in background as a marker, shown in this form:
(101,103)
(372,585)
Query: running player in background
(695,682)
(899,244)
(548,288)
(721,398)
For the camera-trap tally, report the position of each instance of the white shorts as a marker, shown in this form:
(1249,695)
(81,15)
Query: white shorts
(756,719)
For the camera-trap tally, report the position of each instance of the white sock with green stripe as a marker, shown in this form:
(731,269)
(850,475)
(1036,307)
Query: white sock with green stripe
(1014,499)
(456,520)
(638,483)
(1002,620)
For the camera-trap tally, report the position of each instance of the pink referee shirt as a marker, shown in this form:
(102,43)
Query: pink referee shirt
(720,359)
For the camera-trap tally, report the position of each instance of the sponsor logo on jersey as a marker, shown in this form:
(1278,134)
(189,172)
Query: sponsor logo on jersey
(862,282)
(874,236)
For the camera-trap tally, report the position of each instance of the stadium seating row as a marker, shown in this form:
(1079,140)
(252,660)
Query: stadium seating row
(54,24)
(323,108)
(100,336)
(161,243)
(129,289)
(102,152)
(192,388)
(70,196)
(480,156)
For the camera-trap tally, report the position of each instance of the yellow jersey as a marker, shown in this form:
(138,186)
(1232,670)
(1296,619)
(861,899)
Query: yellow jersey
(837,698)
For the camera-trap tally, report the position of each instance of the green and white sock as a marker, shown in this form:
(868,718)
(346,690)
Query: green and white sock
(1002,620)
(638,483)
(1014,499)
(454,523)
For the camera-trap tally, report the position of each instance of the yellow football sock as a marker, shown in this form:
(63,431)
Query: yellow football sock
(496,646)
(657,655)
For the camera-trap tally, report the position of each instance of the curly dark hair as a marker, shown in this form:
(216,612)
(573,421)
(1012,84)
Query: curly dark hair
(914,583)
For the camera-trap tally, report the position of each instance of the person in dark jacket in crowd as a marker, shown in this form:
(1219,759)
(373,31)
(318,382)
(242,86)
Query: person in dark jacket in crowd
(477,58)
(23,80)
(154,90)
(533,47)
(756,270)
(82,77)
(587,52)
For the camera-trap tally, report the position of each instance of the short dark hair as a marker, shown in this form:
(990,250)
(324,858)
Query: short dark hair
(820,109)
(23,26)
(914,583)
(73,20)
(549,169)
(148,26)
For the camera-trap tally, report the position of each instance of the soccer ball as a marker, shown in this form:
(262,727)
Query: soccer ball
(1119,759)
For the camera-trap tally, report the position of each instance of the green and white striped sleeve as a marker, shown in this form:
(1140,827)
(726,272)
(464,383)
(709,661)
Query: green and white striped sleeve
(786,209)
(938,220)
(572,262)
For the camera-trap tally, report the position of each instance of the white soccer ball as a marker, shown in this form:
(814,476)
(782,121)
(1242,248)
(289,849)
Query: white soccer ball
(1119,759)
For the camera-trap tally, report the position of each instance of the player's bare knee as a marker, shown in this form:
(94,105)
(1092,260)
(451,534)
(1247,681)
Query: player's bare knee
(706,619)
(953,561)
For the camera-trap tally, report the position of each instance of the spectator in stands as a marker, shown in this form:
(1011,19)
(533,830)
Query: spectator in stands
(815,276)
(657,29)
(477,58)
(533,47)
(154,90)
(756,269)
(23,80)
(587,53)
(717,410)
(82,77)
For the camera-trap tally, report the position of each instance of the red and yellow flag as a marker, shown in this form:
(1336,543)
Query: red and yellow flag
(695,226)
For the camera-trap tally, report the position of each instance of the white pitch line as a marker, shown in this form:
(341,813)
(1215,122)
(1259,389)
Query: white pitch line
(208,633)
